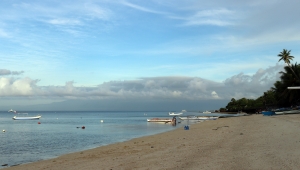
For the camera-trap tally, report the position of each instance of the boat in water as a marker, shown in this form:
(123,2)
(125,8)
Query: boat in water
(25,116)
(206,112)
(175,114)
(159,120)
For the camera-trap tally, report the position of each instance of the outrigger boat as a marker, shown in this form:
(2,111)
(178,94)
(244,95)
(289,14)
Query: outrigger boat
(287,111)
(159,120)
(175,114)
(198,118)
(24,116)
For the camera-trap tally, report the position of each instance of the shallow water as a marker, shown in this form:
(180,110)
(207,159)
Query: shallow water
(60,132)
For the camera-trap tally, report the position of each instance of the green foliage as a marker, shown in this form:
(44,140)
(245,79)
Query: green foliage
(277,96)
(223,109)
(267,100)
(241,104)
(285,56)
(284,96)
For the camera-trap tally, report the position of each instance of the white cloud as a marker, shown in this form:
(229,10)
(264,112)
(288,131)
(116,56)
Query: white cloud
(57,13)
(18,87)
(217,17)
(252,86)
(214,94)
(177,93)
(141,8)
(192,88)
(96,11)
(64,22)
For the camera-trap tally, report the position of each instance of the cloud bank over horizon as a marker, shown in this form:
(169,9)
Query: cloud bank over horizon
(180,88)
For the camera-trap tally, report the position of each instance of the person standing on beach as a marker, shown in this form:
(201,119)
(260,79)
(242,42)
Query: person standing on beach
(174,121)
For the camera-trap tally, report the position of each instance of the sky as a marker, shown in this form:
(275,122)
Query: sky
(141,55)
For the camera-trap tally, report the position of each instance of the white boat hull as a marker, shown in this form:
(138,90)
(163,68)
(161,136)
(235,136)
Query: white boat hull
(198,118)
(207,118)
(159,120)
(287,112)
(175,114)
(26,118)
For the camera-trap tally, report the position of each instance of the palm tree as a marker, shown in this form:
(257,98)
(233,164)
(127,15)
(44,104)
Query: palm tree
(286,57)
(284,96)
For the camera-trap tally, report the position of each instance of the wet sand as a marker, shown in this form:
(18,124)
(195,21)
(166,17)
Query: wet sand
(248,142)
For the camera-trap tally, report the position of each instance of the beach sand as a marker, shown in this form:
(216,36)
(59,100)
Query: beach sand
(248,142)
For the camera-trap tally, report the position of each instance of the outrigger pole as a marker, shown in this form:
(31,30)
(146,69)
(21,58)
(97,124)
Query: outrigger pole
(292,88)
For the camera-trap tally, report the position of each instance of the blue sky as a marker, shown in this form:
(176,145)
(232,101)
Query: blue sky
(132,49)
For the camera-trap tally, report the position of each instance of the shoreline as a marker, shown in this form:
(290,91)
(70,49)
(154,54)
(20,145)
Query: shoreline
(247,142)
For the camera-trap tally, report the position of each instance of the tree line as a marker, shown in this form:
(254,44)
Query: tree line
(277,96)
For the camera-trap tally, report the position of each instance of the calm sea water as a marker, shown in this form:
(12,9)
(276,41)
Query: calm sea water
(59,133)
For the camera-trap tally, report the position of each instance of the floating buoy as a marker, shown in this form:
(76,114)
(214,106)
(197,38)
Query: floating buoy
(82,127)
(39,122)
(101,121)
(3,130)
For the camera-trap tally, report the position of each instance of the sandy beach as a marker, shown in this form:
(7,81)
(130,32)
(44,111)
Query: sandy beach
(248,142)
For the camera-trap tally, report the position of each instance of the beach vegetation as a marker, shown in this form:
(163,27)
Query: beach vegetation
(285,55)
(285,96)
(240,104)
(277,96)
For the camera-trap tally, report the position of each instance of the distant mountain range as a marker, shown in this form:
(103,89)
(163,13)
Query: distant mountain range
(125,105)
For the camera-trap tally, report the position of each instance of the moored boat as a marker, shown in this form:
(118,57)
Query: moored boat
(25,116)
(206,112)
(159,120)
(175,114)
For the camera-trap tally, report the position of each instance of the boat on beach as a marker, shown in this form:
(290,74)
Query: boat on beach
(207,118)
(287,111)
(199,118)
(242,114)
(25,116)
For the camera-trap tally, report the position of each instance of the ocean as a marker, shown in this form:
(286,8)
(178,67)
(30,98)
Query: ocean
(58,133)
